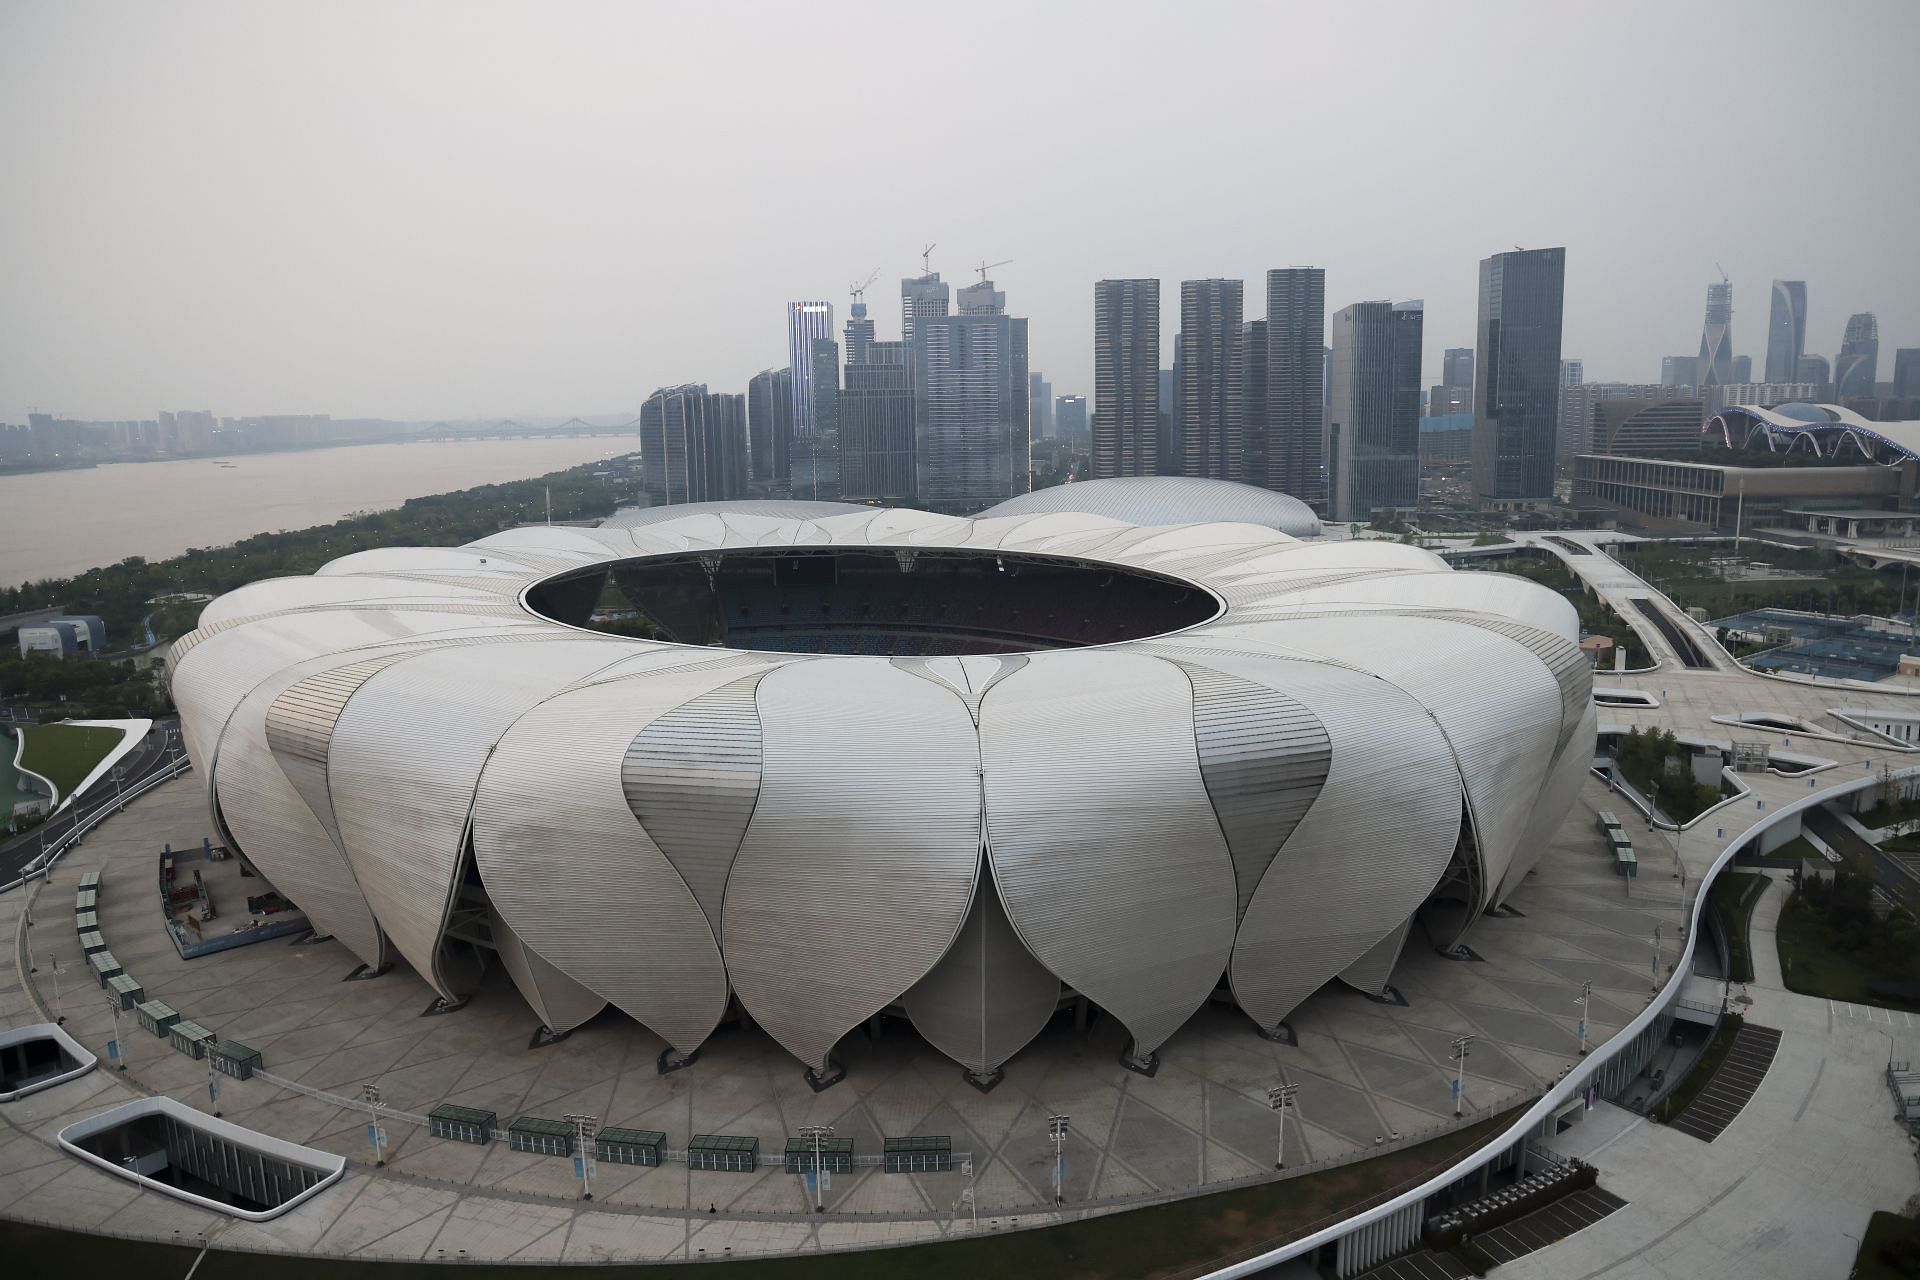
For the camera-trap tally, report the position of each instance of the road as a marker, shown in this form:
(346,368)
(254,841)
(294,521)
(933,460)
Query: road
(154,754)
(1891,874)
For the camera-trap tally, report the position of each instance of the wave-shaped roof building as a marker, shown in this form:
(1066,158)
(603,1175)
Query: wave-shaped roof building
(960,769)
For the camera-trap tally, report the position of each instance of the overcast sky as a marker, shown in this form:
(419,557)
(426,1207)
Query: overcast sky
(430,210)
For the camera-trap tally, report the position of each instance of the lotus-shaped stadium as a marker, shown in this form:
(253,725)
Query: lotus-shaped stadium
(962,769)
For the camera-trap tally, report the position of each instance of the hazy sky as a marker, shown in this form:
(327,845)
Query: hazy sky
(425,210)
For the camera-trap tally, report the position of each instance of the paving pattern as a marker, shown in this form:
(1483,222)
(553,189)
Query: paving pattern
(1548,1225)
(1425,1265)
(1733,1085)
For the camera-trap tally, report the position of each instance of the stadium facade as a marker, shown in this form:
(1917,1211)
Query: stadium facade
(960,769)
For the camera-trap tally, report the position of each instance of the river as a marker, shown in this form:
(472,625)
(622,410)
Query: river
(55,524)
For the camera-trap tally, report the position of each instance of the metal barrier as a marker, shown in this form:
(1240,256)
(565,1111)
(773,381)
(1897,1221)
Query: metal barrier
(43,864)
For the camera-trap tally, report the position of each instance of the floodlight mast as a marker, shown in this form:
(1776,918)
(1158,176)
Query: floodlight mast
(1280,1098)
(817,1132)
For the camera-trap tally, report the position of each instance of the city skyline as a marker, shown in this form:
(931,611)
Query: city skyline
(436,239)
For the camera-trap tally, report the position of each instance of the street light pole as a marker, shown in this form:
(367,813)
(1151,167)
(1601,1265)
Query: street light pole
(1280,1098)
(1462,1046)
(1586,994)
(817,1132)
(376,1132)
(1656,958)
(583,1131)
(1057,1130)
(59,1003)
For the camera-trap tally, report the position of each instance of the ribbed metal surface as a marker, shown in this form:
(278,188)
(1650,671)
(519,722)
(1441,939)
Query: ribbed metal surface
(1562,787)
(576,876)
(405,756)
(969,678)
(1142,855)
(1263,757)
(561,1003)
(1560,656)
(988,996)
(842,897)
(1169,500)
(639,517)
(692,777)
(278,595)
(1371,971)
(1371,848)
(300,726)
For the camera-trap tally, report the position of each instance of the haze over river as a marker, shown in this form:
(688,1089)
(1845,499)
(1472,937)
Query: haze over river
(55,524)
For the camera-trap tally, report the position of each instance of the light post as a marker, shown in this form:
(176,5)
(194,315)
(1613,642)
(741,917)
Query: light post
(817,1132)
(1656,959)
(1280,1098)
(213,1084)
(1586,994)
(376,1132)
(59,1002)
(1462,1046)
(119,1041)
(1057,1130)
(583,1131)
(972,1202)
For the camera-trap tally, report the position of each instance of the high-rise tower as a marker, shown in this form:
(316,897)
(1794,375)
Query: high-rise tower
(1296,383)
(1516,381)
(1209,369)
(1373,425)
(1857,367)
(1786,330)
(806,322)
(1716,338)
(970,393)
(1126,378)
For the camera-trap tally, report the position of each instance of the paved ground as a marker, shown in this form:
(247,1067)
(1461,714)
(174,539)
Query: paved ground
(1548,1225)
(1366,1071)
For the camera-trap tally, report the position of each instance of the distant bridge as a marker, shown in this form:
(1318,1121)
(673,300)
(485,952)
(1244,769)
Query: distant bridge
(508,429)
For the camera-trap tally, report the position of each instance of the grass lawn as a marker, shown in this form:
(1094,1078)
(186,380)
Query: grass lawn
(1731,900)
(1703,1068)
(1812,965)
(1163,1241)
(64,754)
(1890,1248)
(1788,855)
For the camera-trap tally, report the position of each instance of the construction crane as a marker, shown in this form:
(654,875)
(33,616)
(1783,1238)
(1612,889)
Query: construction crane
(926,259)
(986,266)
(1723,273)
(859,291)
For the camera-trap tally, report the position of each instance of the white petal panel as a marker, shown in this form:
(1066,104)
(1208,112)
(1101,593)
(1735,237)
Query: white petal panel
(1142,857)
(988,996)
(845,893)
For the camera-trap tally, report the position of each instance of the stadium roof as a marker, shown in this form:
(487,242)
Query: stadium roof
(1160,500)
(1824,429)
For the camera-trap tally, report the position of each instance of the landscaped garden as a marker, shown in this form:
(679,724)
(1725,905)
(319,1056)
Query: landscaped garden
(1662,770)
(1731,900)
(64,754)
(1833,944)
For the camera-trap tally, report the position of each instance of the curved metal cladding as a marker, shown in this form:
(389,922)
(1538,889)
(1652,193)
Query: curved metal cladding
(405,756)
(575,875)
(1142,856)
(1270,793)
(845,892)
(1157,500)
(988,996)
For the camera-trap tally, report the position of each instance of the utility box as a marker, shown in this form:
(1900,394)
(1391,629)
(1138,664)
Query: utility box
(462,1124)
(104,966)
(628,1146)
(836,1154)
(190,1038)
(156,1016)
(723,1151)
(92,941)
(541,1136)
(126,990)
(231,1058)
(86,921)
(931,1153)
(84,901)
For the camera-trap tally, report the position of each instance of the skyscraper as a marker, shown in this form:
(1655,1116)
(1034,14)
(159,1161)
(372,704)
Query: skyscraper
(1296,382)
(1040,396)
(1126,378)
(693,445)
(876,417)
(1070,418)
(1816,372)
(1742,369)
(1517,378)
(921,296)
(1251,395)
(1857,366)
(1209,370)
(1566,431)
(806,321)
(1786,330)
(1456,367)
(1716,338)
(1906,371)
(1573,372)
(1373,426)
(770,426)
(970,386)
(1679,371)
(814,473)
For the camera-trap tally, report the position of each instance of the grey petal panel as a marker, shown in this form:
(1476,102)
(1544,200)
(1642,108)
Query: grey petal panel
(1142,856)
(692,778)
(1263,758)
(845,893)
(560,1003)
(1368,851)
(1563,658)
(988,996)
(1569,770)
(300,728)
(405,755)
(557,845)
(1370,972)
